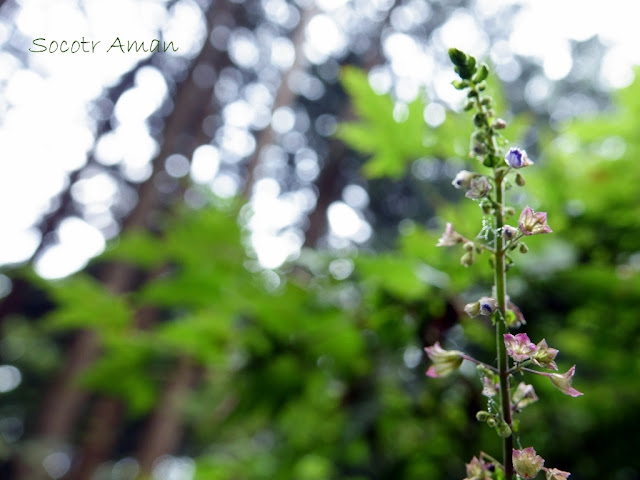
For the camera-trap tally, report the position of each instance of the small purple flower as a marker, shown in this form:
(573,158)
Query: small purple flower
(509,232)
(519,347)
(545,356)
(563,382)
(488,305)
(479,187)
(444,361)
(484,306)
(517,158)
(532,223)
(526,462)
(449,238)
(523,395)
(463,179)
(555,474)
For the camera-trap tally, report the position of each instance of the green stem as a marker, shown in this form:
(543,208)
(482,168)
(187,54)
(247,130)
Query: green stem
(478,362)
(500,279)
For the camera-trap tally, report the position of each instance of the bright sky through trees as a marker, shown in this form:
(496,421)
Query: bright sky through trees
(47,123)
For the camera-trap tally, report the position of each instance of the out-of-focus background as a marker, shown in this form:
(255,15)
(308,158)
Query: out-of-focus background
(219,262)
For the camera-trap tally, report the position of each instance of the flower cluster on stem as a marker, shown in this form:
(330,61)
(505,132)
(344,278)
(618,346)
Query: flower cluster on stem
(516,353)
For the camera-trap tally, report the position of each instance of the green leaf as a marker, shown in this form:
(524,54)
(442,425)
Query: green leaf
(136,247)
(394,273)
(202,336)
(124,372)
(85,303)
(392,144)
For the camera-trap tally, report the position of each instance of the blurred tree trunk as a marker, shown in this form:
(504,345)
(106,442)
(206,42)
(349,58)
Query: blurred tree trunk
(330,183)
(284,96)
(103,430)
(64,401)
(192,105)
(334,176)
(163,432)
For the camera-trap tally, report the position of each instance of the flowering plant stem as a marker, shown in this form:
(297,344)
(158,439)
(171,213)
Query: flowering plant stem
(497,238)
(500,281)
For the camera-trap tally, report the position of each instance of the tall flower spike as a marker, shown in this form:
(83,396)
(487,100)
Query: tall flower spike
(444,361)
(526,462)
(519,347)
(532,223)
(563,382)
(517,158)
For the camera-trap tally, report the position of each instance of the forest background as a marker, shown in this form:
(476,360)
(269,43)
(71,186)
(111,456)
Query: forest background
(220,262)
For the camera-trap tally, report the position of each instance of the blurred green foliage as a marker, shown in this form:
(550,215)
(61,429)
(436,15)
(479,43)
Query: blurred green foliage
(303,375)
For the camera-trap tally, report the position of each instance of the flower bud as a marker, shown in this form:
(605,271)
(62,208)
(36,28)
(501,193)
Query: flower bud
(467,259)
(533,223)
(509,211)
(499,124)
(492,422)
(504,430)
(563,382)
(545,356)
(520,181)
(488,305)
(486,206)
(479,120)
(479,148)
(468,106)
(472,309)
(482,416)
(509,232)
(444,361)
(463,179)
(468,247)
(523,248)
(482,73)
(517,158)
(458,57)
(526,462)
